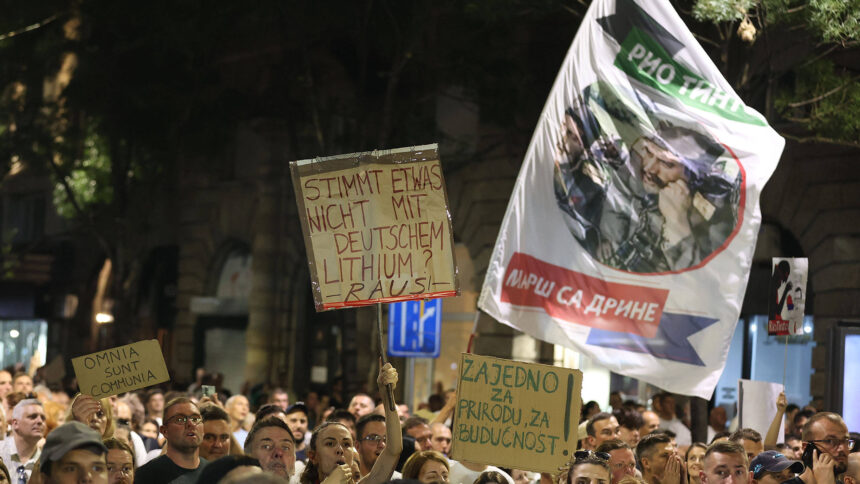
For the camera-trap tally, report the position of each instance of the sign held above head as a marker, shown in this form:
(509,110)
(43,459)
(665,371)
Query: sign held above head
(376,227)
(121,369)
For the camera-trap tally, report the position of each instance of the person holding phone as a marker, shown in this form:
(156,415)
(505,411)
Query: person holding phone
(825,434)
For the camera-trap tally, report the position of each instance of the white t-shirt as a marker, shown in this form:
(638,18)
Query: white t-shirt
(682,433)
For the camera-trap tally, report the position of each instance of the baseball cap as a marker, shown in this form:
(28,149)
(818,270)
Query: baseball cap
(773,461)
(297,407)
(68,437)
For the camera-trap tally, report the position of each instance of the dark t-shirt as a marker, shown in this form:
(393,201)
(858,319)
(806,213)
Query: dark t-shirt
(302,455)
(162,470)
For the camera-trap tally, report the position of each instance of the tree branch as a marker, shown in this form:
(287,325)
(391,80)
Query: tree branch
(29,28)
(70,194)
(706,40)
(822,96)
(821,139)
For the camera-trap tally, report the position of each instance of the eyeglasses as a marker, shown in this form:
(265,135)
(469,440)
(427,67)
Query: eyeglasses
(376,439)
(585,454)
(833,443)
(182,419)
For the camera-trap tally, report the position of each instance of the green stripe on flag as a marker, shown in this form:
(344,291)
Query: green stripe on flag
(645,60)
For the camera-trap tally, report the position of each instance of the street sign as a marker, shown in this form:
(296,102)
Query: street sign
(415,328)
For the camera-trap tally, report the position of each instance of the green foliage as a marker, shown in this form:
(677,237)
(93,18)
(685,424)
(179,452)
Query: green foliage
(832,114)
(835,20)
(829,20)
(89,178)
(721,10)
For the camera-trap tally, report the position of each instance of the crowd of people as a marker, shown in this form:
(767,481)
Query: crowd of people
(202,435)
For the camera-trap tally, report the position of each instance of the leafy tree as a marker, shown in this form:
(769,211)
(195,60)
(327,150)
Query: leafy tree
(806,48)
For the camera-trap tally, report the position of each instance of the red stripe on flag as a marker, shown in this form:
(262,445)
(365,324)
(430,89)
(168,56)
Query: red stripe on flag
(578,298)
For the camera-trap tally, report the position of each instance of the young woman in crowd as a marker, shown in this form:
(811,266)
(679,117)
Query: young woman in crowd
(332,445)
(695,462)
(427,466)
(96,414)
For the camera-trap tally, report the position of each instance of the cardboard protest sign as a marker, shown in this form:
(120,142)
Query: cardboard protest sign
(757,403)
(376,227)
(786,296)
(516,415)
(121,369)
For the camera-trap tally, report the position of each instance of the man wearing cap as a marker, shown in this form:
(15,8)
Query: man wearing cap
(181,463)
(771,467)
(297,421)
(74,453)
(20,450)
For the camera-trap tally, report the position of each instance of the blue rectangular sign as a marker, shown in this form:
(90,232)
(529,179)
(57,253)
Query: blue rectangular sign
(415,328)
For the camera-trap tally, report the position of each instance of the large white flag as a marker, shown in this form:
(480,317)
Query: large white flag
(631,228)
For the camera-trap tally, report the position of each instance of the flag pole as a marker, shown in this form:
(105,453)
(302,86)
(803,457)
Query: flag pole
(382,355)
(784,362)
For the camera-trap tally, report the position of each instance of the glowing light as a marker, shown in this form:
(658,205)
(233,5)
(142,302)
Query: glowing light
(104,318)
(14,333)
(807,328)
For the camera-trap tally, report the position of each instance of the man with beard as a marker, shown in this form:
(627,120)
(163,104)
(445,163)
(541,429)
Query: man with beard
(181,464)
(20,451)
(297,420)
(683,210)
(828,432)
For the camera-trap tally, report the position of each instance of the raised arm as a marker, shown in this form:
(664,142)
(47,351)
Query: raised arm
(772,436)
(448,409)
(384,466)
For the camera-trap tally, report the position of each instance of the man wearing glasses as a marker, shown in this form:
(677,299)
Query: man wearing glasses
(371,442)
(183,429)
(829,433)
(622,462)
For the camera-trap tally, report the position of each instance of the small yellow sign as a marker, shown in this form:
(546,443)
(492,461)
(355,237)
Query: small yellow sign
(121,369)
(516,415)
